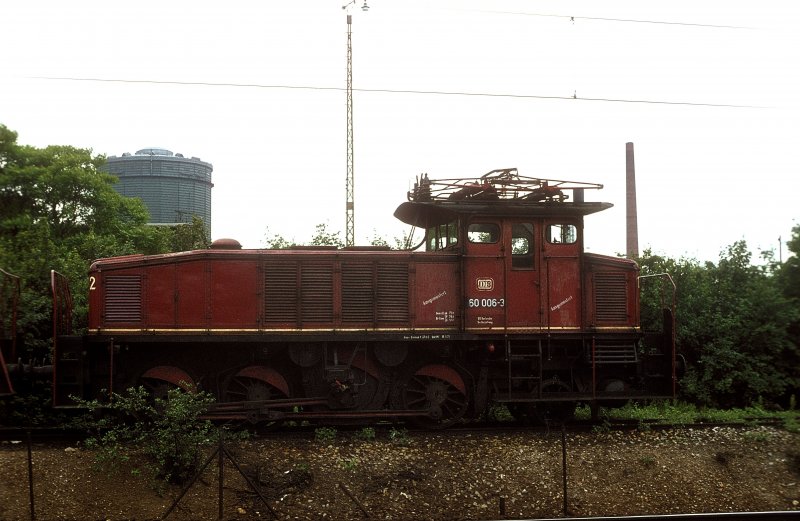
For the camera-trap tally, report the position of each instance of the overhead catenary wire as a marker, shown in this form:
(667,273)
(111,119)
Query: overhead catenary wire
(609,19)
(397,91)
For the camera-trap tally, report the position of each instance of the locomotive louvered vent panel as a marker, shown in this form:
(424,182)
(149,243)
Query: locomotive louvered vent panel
(123,298)
(280,292)
(316,292)
(392,293)
(357,293)
(611,353)
(610,297)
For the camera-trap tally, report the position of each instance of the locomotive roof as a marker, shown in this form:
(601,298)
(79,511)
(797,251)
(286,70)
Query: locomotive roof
(501,192)
(425,215)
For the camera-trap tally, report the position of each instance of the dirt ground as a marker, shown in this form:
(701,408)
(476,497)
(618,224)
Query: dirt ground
(434,476)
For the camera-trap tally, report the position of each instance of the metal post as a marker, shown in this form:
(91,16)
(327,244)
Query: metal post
(564,465)
(350,182)
(30,476)
(221,463)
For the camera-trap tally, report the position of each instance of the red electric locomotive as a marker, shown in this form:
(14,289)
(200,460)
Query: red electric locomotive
(498,303)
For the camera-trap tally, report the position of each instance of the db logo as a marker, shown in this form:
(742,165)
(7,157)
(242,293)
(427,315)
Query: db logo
(485,284)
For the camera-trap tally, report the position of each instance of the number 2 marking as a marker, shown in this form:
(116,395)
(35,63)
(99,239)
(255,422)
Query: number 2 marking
(92,282)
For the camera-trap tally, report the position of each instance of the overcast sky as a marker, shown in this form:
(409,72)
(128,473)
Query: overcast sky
(706,91)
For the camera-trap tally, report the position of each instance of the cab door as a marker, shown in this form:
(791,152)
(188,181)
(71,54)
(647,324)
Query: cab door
(561,259)
(484,284)
(523,299)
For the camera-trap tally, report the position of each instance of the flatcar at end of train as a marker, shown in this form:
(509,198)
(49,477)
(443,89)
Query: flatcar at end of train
(498,303)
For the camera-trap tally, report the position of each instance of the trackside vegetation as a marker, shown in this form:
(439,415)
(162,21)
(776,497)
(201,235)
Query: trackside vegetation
(163,439)
(682,413)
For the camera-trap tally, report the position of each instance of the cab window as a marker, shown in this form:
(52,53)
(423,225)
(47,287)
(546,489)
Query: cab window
(561,234)
(522,246)
(483,233)
(441,237)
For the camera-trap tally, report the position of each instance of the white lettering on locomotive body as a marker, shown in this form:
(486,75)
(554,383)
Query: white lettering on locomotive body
(486,302)
(434,298)
(445,316)
(485,284)
(560,304)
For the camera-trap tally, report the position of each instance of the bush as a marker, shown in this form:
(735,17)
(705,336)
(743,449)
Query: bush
(366,434)
(399,437)
(325,434)
(164,438)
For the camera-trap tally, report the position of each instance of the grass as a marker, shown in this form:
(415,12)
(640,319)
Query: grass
(679,413)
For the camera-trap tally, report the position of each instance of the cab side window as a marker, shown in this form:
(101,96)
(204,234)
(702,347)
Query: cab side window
(561,234)
(522,246)
(441,237)
(483,233)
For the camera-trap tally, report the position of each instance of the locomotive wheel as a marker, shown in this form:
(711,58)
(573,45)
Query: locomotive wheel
(438,389)
(371,395)
(246,389)
(159,380)
(255,383)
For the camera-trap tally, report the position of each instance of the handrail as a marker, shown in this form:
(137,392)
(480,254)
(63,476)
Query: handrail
(9,301)
(672,308)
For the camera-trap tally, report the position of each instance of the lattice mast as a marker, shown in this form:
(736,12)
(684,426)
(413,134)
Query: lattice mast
(349,182)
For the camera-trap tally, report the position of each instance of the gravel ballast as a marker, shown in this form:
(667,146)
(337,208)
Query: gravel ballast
(434,476)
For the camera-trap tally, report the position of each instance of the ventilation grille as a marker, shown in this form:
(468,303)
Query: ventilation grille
(123,298)
(316,292)
(371,292)
(611,297)
(614,354)
(392,293)
(280,292)
(357,292)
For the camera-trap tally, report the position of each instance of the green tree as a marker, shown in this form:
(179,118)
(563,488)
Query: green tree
(277,242)
(323,237)
(58,211)
(732,326)
(189,236)
(789,271)
(788,275)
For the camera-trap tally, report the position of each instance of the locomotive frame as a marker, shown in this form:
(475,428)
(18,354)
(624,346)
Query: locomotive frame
(502,306)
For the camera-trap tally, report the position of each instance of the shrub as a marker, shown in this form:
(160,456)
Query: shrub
(399,437)
(162,437)
(325,434)
(366,434)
